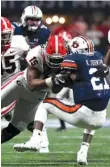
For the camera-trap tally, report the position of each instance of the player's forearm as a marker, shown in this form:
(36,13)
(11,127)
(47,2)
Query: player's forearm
(38,84)
(107,58)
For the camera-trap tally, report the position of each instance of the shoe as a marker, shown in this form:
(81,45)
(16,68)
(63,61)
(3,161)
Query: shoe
(82,157)
(32,145)
(44,146)
(61,129)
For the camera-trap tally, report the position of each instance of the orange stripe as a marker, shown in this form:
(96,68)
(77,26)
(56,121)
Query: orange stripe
(69,64)
(90,44)
(62,106)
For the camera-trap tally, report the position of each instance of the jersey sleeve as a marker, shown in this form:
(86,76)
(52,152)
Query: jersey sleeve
(34,58)
(44,34)
(69,63)
(18,41)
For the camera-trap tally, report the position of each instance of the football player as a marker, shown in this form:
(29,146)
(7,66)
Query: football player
(29,88)
(91,96)
(13,47)
(32,27)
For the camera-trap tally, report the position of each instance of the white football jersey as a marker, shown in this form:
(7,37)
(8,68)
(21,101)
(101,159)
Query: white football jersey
(35,57)
(10,59)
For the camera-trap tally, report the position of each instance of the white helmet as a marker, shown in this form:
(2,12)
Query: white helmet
(81,44)
(109,36)
(31,12)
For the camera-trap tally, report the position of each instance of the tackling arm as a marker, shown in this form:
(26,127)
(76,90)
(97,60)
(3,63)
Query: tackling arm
(33,79)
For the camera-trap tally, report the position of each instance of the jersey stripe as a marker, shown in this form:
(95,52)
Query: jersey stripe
(9,108)
(68,65)
(12,79)
(62,106)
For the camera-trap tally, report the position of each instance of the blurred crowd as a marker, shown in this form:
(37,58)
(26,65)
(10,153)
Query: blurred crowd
(96,27)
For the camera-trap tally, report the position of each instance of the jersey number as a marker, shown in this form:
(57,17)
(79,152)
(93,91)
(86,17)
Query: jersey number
(8,64)
(96,82)
(33,61)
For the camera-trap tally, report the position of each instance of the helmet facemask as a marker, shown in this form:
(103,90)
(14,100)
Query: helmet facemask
(32,23)
(6,37)
(54,60)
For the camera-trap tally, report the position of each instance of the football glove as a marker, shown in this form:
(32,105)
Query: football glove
(102,71)
(59,81)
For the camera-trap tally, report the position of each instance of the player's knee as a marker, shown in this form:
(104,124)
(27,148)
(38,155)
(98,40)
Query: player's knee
(8,133)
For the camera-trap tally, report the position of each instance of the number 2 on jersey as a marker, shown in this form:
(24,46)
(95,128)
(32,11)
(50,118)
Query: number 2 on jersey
(96,82)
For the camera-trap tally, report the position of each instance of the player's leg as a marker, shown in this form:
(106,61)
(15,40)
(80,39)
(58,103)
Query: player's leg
(94,120)
(39,139)
(82,153)
(21,117)
(9,91)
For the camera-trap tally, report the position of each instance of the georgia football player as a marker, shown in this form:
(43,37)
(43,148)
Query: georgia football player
(91,95)
(30,88)
(12,49)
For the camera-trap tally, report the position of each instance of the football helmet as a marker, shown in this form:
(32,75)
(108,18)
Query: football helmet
(81,44)
(6,31)
(56,49)
(31,17)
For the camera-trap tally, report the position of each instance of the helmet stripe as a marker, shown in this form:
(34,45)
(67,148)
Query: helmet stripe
(89,43)
(56,44)
(4,22)
(34,9)
(85,41)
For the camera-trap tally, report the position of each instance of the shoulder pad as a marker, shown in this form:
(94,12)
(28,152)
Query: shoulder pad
(34,58)
(18,41)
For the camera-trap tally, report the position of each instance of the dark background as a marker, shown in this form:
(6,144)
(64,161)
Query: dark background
(82,17)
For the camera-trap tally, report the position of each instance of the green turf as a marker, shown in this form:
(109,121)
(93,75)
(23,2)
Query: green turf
(63,148)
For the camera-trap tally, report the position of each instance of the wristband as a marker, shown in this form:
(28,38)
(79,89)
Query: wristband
(48,82)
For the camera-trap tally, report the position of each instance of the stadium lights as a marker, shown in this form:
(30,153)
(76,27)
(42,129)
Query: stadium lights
(55,18)
(61,20)
(48,20)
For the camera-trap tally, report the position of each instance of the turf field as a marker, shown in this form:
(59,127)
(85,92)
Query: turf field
(63,148)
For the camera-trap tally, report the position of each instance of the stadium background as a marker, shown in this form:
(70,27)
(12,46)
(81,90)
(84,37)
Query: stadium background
(78,18)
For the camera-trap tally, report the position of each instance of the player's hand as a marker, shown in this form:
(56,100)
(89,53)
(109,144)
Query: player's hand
(59,81)
(102,71)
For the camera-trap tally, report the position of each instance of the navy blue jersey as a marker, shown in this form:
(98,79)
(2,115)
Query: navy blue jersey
(39,37)
(89,88)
